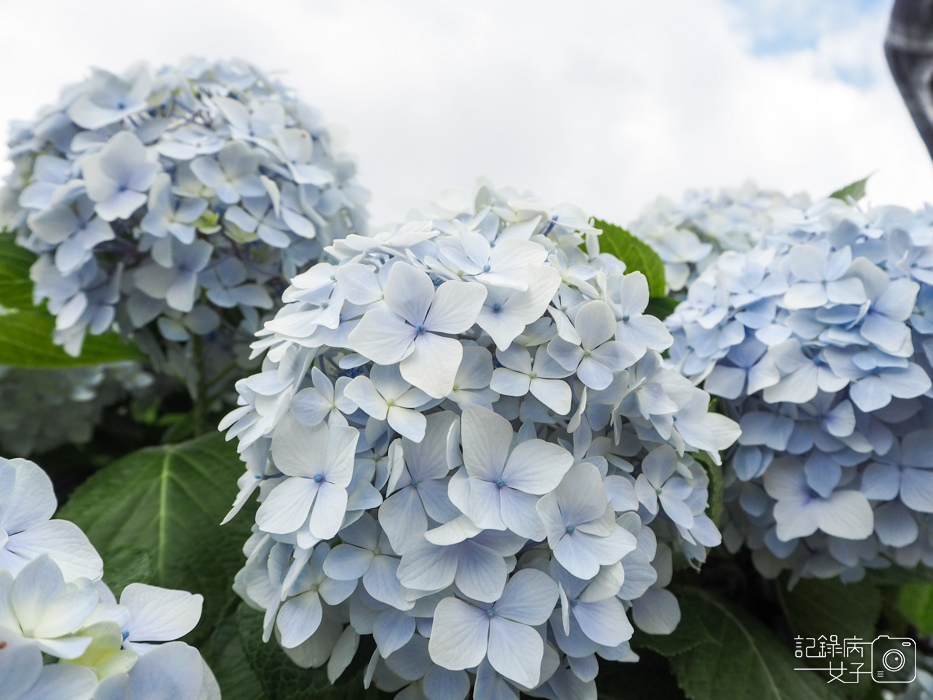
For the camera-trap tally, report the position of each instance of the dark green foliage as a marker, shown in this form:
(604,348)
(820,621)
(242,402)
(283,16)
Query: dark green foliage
(166,503)
(856,190)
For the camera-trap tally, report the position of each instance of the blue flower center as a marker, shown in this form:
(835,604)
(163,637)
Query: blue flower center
(497,307)
(500,482)
(491,612)
(318,478)
(121,105)
(570,529)
(125,634)
(419,329)
(625,319)
(486,268)
(352,372)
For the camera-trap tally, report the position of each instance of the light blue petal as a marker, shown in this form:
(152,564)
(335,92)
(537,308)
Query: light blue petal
(917,448)
(823,473)
(585,668)
(515,651)
(70,681)
(344,651)
(845,514)
(895,525)
(529,597)
(481,571)
(656,612)
(459,635)
(382,583)
(412,661)
(392,630)
(348,563)
(409,293)
(917,489)
(768,429)
(436,501)
(520,515)
(172,670)
(403,518)
(604,621)
(441,684)
(299,618)
(428,567)
(869,394)
(486,439)
(20,664)
(639,575)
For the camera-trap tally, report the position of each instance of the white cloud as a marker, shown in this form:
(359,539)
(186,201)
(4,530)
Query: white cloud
(607,105)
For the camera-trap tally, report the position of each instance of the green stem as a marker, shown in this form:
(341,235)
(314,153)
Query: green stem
(200,399)
(220,375)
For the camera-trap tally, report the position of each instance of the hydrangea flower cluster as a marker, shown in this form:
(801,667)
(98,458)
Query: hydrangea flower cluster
(174,204)
(691,235)
(819,340)
(466,444)
(44,409)
(62,632)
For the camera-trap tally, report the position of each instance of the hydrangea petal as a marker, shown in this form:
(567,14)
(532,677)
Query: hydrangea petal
(459,637)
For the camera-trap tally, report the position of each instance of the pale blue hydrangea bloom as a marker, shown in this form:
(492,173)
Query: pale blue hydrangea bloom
(173,204)
(817,342)
(44,409)
(692,234)
(506,394)
(54,606)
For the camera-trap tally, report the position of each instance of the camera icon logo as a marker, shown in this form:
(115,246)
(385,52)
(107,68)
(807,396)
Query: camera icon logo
(893,659)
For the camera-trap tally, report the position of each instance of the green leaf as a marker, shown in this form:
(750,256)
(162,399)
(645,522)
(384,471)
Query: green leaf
(915,601)
(15,285)
(661,307)
(823,607)
(224,653)
(168,502)
(898,575)
(126,566)
(635,253)
(649,679)
(745,661)
(26,341)
(856,191)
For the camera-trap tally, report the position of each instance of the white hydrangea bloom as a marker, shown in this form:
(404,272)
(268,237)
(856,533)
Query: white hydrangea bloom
(501,393)
(54,606)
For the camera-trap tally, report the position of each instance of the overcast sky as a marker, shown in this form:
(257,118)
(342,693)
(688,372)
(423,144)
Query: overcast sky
(606,104)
